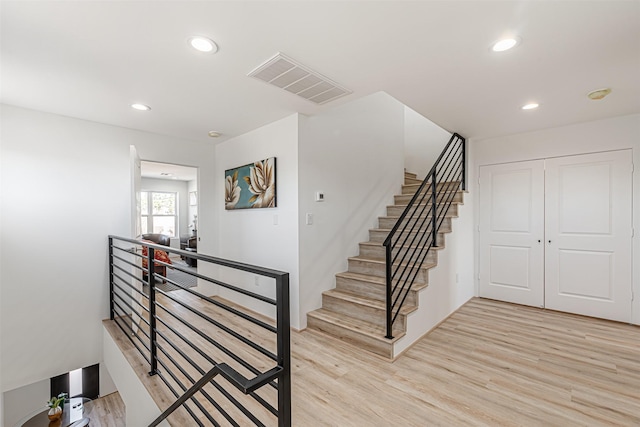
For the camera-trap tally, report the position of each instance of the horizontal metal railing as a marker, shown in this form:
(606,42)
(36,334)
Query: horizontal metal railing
(416,232)
(225,358)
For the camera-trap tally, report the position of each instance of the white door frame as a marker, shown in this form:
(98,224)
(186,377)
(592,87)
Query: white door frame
(623,229)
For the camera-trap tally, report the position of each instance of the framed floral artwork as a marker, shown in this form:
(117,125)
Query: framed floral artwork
(251,186)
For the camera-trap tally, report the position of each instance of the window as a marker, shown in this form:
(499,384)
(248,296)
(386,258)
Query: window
(158,211)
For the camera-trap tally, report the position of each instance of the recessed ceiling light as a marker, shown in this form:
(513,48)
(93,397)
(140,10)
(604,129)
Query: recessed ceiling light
(214,134)
(505,44)
(531,106)
(599,93)
(203,44)
(140,107)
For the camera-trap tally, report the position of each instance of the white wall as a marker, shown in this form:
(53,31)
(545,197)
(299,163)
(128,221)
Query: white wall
(107,386)
(65,187)
(141,409)
(25,402)
(180,187)
(354,154)
(1,352)
(423,142)
(602,135)
(191,210)
(252,235)
(451,282)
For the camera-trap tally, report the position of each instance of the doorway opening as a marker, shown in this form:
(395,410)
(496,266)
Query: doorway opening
(169,202)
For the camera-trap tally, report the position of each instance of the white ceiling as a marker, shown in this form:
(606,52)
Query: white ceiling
(168,171)
(92,59)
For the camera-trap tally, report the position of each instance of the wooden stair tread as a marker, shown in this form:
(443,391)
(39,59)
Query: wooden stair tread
(426,265)
(376,279)
(404,247)
(388,230)
(365,328)
(452,183)
(412,180)
(397,217)
(439,182)
(370,302)
(420,204)
(440,191)
(364,277)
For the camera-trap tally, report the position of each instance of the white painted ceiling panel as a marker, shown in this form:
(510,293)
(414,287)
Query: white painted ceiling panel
(91,60)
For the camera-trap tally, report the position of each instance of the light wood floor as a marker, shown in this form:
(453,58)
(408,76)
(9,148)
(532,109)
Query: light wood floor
(107,411)
(489,364)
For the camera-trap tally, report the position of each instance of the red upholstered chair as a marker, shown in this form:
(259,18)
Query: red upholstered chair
(158,254)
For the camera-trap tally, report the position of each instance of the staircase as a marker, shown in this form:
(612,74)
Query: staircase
(355,311)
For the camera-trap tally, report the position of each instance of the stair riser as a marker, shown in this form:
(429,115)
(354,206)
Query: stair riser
(406,198)
(378,347)
(378,252)
(409,175)
(447,186)
(369,290)
(387,222)
(411,181)
(379,269)
(380,236)
(357,311)
(422,223)
(397,210)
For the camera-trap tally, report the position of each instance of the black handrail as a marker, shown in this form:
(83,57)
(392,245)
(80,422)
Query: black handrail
(433,197)
(157,329)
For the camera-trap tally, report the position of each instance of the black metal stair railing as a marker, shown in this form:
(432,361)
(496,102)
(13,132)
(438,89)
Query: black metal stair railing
(223,362)
(416,231)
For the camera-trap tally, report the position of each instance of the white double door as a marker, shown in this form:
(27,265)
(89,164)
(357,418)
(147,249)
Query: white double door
(556,233)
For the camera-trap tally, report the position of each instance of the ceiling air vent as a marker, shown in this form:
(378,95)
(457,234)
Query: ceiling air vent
(291,76)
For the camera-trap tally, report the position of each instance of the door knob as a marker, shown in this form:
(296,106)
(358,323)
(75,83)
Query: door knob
(549,241)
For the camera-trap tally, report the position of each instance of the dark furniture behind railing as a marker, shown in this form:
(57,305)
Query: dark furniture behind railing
(190,244)
(416,231)
(224,363)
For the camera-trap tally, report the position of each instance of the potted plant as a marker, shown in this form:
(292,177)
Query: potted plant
(56,404)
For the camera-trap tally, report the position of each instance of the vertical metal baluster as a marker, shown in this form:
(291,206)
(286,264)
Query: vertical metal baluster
(151,281)
(284,351)
(434,208)
(389,287)
(464,164)
(111,296)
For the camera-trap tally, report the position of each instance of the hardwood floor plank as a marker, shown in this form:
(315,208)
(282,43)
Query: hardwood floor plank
(489,364)
(107,411)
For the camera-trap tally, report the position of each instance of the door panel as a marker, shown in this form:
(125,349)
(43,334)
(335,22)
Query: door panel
(511,228)
(582,188)
(509,266)
(585,273)
(588,234)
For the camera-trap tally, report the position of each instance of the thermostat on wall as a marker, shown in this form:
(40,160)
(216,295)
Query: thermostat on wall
(319,196)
